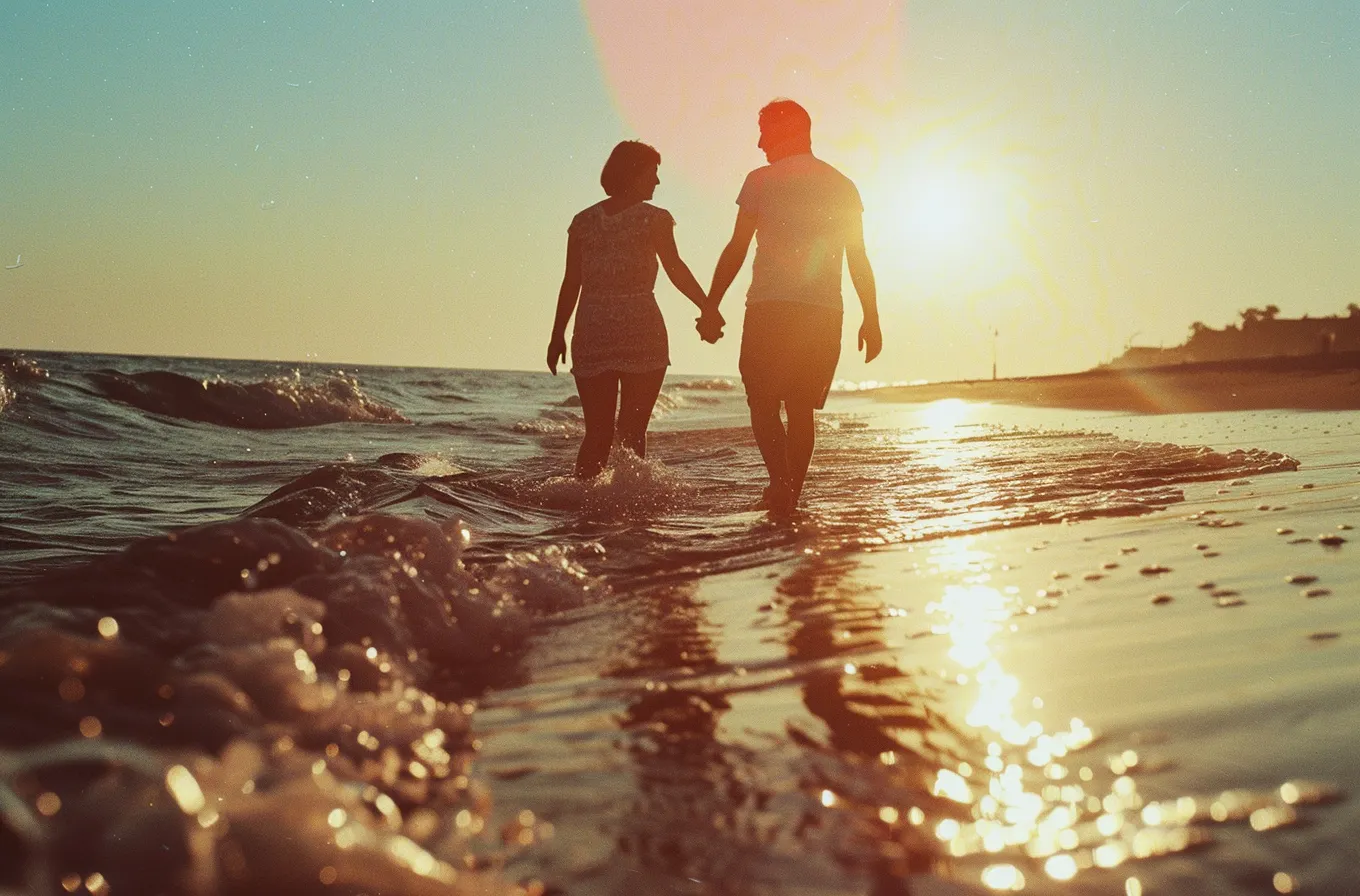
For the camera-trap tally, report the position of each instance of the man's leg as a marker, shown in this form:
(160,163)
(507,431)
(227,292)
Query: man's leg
(637,397)
(802,435)
(599,398)
(773,442)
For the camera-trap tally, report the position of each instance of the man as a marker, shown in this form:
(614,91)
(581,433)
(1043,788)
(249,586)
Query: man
(806,216)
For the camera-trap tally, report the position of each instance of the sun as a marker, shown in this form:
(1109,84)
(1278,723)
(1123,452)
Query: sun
(952,221)
(943,210)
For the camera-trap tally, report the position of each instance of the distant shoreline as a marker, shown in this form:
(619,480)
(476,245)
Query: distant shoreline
(1305,382)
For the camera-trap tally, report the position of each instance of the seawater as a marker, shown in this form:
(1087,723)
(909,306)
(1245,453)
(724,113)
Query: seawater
(258,617)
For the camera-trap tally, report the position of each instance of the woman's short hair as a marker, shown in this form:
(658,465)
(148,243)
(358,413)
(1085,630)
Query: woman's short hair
(629,159)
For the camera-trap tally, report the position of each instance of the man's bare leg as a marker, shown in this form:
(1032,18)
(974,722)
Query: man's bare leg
(801,437)
(773,443)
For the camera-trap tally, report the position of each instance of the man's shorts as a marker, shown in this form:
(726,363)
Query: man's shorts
(789,351)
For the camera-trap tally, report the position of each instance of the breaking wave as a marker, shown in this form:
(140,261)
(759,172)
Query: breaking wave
(273,403)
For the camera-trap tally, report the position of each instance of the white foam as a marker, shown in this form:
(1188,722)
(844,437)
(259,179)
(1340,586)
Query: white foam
(241,618)
(437,465)
(546,580)
(629,486)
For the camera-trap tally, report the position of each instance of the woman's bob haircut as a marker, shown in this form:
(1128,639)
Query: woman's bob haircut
(629,160)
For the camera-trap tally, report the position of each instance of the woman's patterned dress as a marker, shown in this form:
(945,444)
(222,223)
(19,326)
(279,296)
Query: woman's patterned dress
(618,327)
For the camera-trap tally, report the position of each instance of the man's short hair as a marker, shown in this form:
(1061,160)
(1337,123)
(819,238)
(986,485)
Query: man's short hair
(629,159)
(783,118)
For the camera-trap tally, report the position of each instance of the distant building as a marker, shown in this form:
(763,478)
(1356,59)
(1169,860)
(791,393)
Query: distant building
(1261,334)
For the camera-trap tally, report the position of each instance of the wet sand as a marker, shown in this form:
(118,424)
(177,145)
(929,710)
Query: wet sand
(1317,382)
(1157,704)
(1212,651)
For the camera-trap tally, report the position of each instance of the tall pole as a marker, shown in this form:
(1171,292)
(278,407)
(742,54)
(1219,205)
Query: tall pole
(994,335)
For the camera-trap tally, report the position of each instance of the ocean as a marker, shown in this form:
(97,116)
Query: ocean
(271,627)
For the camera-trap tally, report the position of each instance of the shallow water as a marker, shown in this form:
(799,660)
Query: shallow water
(386,601)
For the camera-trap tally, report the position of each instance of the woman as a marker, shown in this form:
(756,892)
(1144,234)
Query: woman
(618,346)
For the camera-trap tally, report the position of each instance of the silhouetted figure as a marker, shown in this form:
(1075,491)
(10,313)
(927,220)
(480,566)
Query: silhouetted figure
(806,217)
(618,346)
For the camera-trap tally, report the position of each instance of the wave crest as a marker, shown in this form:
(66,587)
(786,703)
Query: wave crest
(274,403)
(710,385)
(241,696)
(21,367)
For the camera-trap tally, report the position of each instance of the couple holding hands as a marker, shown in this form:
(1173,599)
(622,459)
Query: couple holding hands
(805,216)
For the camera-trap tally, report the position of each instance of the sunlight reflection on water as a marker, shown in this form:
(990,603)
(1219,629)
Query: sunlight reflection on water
(1039,809)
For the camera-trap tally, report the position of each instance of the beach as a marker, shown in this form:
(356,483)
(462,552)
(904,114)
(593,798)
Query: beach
(315,580)
(1191,670)
(1316,382)
(282,627)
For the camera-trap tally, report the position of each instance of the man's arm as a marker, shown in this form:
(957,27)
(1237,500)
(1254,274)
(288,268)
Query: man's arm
(732,258)
(862,276)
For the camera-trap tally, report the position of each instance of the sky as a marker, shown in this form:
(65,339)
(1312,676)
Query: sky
(390,181)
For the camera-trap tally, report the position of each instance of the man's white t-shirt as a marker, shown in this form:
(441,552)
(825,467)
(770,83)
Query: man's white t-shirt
(804,209)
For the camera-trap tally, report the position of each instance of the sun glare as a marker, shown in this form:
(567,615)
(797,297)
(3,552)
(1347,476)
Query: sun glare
(942,416)
(945,210)
(952,220)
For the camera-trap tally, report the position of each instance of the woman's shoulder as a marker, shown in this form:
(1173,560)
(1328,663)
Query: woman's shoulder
(584,216)
(656,213)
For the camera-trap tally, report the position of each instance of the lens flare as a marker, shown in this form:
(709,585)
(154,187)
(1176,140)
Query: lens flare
(689,78)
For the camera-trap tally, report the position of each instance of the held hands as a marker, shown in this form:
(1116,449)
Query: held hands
(710,325)
(870,338)
(557,351)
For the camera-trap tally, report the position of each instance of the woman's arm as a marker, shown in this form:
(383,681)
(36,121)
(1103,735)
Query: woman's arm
(567,296)
(663,240)
(733,256)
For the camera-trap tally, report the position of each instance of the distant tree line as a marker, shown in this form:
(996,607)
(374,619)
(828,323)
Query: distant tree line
(1261,334)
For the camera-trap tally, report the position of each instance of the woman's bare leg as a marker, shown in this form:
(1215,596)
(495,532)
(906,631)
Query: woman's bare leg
(599,399)
(638,392)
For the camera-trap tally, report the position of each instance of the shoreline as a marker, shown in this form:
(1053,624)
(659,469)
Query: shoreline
(1308,382)
(1201,655)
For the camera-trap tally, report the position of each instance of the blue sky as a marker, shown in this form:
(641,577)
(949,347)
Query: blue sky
(391,182)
